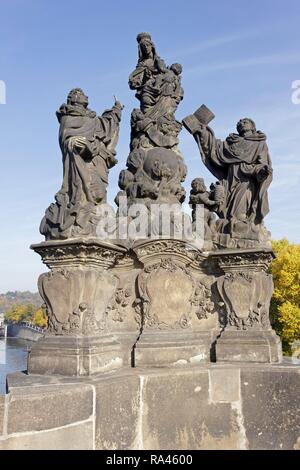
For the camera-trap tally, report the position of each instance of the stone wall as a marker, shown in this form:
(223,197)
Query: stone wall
(204,407)
(21,332)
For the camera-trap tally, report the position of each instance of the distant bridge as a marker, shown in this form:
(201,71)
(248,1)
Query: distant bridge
(25,330)
(31,326)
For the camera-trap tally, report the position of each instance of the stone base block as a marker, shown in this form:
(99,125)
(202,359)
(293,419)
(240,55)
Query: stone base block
(246,346)
(74,356)
(209,407)
(162,349)
(127,342)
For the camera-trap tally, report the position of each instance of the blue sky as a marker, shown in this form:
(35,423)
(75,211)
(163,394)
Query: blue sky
(239,58)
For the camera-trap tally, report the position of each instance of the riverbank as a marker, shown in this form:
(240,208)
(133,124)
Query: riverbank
(13,358)
(24,331)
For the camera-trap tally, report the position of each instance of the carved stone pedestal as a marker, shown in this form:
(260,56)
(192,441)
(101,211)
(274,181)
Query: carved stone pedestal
(77,292)
(123,320)
(244,346)
(245,291)
(179,320)
(75,356)
(167,349)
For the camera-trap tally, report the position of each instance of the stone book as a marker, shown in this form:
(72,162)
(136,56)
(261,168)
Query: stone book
(202,115)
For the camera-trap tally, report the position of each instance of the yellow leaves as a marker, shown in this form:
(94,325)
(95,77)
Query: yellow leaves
(286,274)
(289,318)
(40,318)
(28,313)
(18,313)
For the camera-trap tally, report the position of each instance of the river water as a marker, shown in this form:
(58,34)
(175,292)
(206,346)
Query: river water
(13,358)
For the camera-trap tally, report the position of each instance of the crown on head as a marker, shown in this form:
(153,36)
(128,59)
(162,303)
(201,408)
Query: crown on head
(142,36)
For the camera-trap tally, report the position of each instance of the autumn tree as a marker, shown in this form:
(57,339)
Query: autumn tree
(285,305)
(26,313)
(40,318)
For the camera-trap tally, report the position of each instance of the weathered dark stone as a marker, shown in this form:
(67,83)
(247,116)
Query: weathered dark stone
(243,295)
(243,168)
(79,287)
(38,408)
(271,407)
(117,413)
(122,319)
(87,142)
(175,302)
(200,197)
(155,167)
(79,294)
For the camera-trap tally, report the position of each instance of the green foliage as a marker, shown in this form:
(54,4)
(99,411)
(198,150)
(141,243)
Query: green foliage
(285,305)
(26,313)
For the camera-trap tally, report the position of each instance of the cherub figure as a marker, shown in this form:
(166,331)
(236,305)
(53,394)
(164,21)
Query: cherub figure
(169,81)
(200,195)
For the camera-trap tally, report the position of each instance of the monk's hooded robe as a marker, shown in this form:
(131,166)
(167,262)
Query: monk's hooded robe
(243,166)
(85,173)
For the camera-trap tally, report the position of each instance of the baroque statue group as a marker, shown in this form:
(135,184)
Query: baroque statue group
(155,300)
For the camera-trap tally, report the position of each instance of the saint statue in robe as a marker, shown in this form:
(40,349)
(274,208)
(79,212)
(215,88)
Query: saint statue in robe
(87,142)
(158,87)
(243,167)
